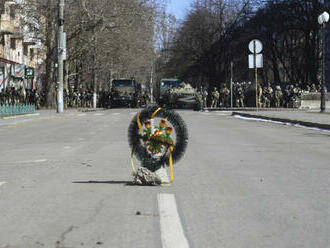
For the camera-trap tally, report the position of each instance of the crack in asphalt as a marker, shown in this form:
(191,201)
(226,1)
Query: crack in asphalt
(60,243)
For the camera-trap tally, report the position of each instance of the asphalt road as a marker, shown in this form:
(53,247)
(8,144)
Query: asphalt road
(63,184)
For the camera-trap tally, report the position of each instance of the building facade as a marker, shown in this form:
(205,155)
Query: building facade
(19,55)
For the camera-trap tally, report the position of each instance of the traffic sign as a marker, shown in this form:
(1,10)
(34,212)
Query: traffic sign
(255,46)
(258,63)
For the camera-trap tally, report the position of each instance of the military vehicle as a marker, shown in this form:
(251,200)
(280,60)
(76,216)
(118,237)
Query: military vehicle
(174,93)
(124,93)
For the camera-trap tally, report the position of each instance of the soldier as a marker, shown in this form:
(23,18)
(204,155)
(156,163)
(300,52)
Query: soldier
(215,98)
(225,92)
(267,96)
(239,95)
(65,98)
(295,97)
(313,88)
(260,93)
(204,95)
(2,98)
(278,96)
(37,100)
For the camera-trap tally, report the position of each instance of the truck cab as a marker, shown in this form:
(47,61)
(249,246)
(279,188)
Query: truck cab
(124,92)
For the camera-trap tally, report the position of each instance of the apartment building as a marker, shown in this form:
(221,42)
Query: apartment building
(19,55)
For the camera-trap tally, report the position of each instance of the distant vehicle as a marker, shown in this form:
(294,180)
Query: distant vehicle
(174,93)
(124,93)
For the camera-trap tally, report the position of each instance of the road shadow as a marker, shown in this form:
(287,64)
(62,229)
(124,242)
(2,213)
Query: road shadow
(126,183)
(323,134)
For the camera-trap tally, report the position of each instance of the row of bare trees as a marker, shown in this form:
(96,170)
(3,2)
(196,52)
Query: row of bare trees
(105,40)
(216,32)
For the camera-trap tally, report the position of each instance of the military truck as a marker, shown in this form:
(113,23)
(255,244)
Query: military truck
(124,93)
(174,93)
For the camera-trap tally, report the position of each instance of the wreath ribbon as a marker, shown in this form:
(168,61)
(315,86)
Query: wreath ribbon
(171,148)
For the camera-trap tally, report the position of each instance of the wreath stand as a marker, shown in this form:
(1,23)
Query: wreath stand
(156,148)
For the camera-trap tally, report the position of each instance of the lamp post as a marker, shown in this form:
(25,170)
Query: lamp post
(323,19)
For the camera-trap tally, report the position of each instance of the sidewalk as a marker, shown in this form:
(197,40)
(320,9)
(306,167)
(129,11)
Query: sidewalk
(39,114)
(305,118)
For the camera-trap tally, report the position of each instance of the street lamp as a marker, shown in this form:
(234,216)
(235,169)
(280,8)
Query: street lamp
(323,19)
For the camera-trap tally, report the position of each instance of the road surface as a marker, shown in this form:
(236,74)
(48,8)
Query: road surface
(63,183)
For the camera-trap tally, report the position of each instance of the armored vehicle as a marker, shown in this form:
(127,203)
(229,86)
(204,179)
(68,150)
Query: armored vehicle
(174,93)
(124,93)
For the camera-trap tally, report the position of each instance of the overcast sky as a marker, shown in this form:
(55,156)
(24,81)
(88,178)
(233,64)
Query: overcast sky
(179,7)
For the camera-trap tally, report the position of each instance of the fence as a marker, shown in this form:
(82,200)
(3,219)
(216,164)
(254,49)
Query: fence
(9,109)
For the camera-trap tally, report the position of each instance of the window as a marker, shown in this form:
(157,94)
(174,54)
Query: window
(2,40)
(12,12)
(25,50)
(31,54)
(13,43)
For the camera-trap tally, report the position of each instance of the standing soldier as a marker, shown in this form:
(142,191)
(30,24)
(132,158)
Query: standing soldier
(259,96)
(278,96)
(268,95)
(313,88)
(226,93)
(239,97)
(215,98)
(205,94)
(37,99)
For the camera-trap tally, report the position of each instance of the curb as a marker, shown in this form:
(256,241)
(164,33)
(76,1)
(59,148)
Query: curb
(19,116)
(284,120)
(252,109)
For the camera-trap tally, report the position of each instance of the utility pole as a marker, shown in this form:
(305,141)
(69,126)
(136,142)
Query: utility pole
(322,20)
(60,50)
(327,51)
(95,72)
(231,84)
(95,78)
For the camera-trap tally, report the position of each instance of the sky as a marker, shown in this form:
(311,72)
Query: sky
(179,7)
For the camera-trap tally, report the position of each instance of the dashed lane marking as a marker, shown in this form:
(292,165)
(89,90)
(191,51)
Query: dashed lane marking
(2,183)
(116,114)
(172,233)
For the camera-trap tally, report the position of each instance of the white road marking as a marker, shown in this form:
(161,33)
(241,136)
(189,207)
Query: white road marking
(170,223)
(67,147)
(116,114)
(2,183)
(29,161)
(279,122)
(98,114)
(81,114)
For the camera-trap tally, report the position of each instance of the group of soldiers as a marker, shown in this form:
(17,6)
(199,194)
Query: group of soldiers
(244,94)
(71,98)
(13,96)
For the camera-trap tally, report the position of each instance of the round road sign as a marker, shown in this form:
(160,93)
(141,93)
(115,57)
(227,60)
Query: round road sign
(255,46)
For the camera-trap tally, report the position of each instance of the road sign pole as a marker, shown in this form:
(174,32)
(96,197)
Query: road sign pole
(255,71)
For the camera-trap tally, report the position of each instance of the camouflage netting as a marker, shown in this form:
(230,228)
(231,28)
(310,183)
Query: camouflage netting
(144,176)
